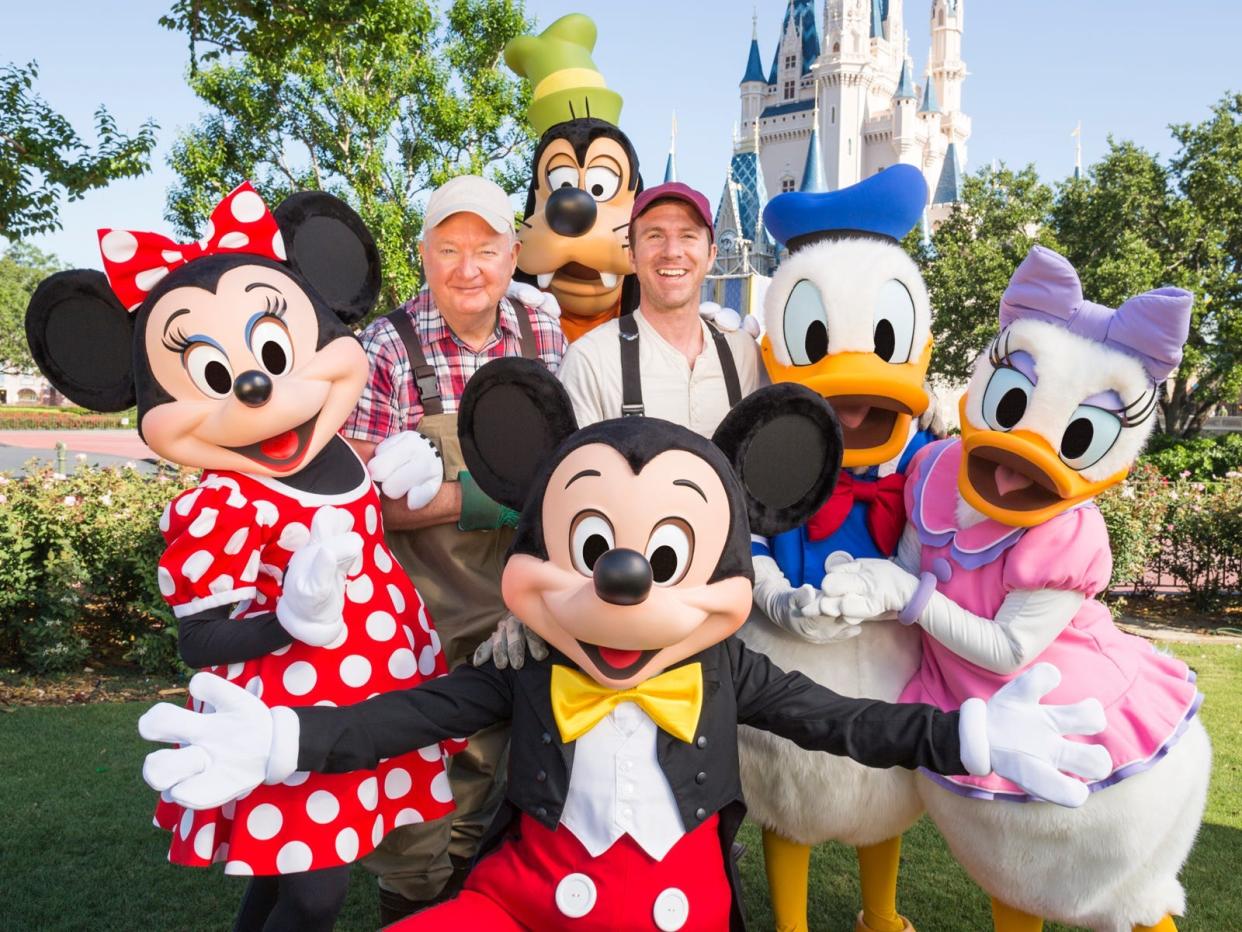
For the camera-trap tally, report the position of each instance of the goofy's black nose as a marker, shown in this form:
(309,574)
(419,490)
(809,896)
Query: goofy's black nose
(622,577)
(570,211)
(253,388)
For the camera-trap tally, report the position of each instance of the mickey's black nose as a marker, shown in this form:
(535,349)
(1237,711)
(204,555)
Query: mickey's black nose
(622,577)
(253,388)
(570,211)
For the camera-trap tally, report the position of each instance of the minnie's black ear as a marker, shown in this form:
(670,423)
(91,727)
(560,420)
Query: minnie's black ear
(785,445)
(83,340)
(513,415)
(329,246)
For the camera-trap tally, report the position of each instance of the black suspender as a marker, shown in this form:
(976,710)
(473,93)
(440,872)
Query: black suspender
(631,381)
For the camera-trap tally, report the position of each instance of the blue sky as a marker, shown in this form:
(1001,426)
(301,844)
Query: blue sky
(1037,67)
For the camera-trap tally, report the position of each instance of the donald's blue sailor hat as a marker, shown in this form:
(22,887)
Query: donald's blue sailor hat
(886,205)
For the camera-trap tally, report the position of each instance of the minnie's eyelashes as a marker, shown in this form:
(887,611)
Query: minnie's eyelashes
(275,306)
(177,342)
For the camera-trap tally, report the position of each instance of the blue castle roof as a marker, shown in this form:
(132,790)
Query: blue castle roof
(930,104)
(751,194)
(905,88)
(878,15)
(802,12)
(812,171)
(670,168)
(949,187)
(754,66)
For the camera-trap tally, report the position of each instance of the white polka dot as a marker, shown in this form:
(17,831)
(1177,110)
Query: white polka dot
(222,853)
(377,830)
(435,640)
(372,519)
(228,809)
(208,233)
(355,670)
(261,599)
(381,626)
(233,240)
(234,670)
(338,640)
(265,513)
(397,783)
(273,571)
(171,255)
(382,559)
(297,778)
(221,584)
(234,546)
(254,686)
(186,502)
(407,817)
(119,245)
(409,636)
(166,518)
(278,246)
(196,565)
(356,567)
(398,600)
(205,523)
(430,753)
(251,571)
(422,617)
(401,664)
(205,841)
(167,585)
(145,281)
(293,858)
(347,844)
(281,651)
(368,793)
(187,823)
(238,869)
(299,678)
(427,661)
(294,535)
(247,206)
(360,590)
(264,821)
(440,789)
(322,807)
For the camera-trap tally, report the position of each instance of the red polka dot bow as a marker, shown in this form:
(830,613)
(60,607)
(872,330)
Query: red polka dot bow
(135,262)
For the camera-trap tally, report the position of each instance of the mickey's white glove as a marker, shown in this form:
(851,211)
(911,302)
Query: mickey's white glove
(407,465)
(225,753)
(798,611)
(1021,740)
(727,319)
(543,301)
(312,596)
(862,589)
(509,645)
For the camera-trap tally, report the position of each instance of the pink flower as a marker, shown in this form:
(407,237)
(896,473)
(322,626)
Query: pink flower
(3,499)
(71,500)
(1185,474)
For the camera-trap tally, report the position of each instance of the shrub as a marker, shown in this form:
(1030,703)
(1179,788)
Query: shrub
(1198,458)
(1134,513)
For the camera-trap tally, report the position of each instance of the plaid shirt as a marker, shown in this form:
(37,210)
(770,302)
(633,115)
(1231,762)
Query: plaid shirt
(390,402)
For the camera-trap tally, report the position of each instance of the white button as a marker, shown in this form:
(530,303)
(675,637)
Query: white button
(575,896)
(672,909)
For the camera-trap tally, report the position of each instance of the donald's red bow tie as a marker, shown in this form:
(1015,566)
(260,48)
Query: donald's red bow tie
(135,262)
(886,509)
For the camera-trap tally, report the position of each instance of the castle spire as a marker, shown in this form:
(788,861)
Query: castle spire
(754,65)
(670,167)
(812,171)
(905,87)
(877,20)
(929,104)
(949,187)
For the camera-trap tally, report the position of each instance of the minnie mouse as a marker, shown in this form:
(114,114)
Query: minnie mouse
(237,351)
(632,559)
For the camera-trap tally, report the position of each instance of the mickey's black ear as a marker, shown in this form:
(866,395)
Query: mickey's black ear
(329,246)
(513,415)
(784,443)
(83,340)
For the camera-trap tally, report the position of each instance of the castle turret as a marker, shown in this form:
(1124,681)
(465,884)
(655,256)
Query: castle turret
(947,68)
(813,170)
(753,83)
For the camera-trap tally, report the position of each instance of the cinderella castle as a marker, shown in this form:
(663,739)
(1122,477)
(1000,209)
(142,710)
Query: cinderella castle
(832,110)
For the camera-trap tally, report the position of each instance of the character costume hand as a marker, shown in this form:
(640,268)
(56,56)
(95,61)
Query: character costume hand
(407,465)
(509,644)
(312,597)
(799,611)
(543,301)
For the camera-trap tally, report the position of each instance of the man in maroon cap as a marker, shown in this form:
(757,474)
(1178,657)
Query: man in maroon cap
(664,360)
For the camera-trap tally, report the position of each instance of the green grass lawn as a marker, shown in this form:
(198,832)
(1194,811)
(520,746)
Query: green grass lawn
(78,851)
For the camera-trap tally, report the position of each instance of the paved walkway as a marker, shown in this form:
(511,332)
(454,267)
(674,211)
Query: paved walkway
(100,447)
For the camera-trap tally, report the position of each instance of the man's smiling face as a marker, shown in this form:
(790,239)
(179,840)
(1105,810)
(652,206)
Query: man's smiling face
(672,252)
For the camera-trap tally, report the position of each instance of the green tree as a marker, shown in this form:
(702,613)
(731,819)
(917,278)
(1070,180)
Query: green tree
(42,158)
(22,267)
(377,101)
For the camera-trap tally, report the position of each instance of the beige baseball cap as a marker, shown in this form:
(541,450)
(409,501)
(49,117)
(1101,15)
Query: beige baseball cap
(470,194)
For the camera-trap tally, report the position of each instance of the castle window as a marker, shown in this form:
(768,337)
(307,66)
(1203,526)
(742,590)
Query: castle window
(789,89)
(834,116)
(787,184)
(791,61)
(836,46)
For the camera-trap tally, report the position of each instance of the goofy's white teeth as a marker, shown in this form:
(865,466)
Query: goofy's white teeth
(608,280)
(544,279)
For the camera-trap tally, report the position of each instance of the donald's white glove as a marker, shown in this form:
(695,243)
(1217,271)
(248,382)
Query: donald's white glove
(407,465)
(799,611)
(543,301)
(312,596)
(225,753)
(862,589)
(1021,740)
(727,319)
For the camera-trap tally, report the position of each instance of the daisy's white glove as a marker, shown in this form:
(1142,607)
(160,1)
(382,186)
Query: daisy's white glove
(798,611)
(727,319)
(1020,739)
(312,597)
(861,589)
(543,301)
(407,465)
(509,645)
(223,754)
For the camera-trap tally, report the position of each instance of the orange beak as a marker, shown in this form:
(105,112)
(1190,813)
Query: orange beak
(874,400)
(1016,477)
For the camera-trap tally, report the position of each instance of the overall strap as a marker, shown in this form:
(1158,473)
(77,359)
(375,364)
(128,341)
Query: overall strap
(530,349)
(424,375)
(732,385)
(631,382)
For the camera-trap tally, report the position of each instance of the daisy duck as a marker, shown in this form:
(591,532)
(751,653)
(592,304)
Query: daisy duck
(632,560)
(237,350)
(848,316)
(999,568)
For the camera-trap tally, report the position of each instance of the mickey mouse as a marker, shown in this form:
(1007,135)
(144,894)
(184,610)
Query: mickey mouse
(632,559)
(237,351)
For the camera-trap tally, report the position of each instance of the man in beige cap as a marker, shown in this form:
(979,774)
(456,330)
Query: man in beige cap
(452,545)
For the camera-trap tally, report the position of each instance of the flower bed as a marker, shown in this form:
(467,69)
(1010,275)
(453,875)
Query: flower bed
(56,419)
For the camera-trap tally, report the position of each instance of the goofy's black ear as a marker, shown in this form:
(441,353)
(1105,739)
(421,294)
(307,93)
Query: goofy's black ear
(328,245)
(83,340)
(514,414)
(785,445)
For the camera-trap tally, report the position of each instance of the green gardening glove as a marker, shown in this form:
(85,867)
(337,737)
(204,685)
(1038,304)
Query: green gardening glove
(479,512)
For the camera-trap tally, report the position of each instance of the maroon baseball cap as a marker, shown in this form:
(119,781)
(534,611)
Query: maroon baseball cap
(675,191)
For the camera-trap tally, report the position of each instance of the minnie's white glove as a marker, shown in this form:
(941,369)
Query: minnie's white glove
(799,611)
(1021,739)
(543,301)
(407,465)
(727,319)
(862,589)
(224,753)
(312,596)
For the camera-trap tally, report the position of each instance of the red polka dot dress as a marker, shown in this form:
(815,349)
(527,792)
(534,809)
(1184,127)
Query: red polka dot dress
(229,542)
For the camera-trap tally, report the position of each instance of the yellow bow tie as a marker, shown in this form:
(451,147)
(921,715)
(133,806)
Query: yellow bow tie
(673,700)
